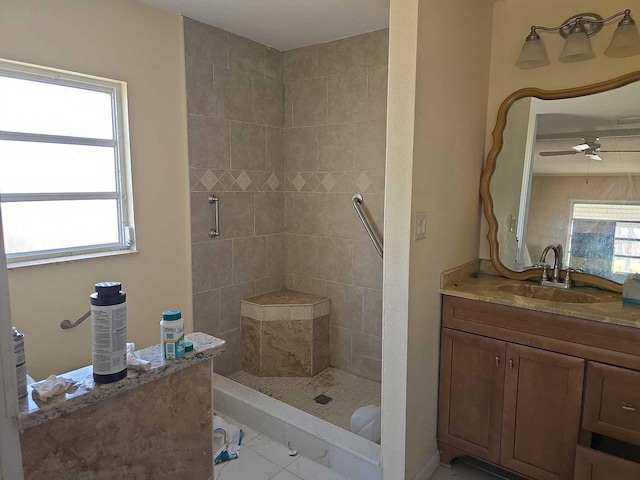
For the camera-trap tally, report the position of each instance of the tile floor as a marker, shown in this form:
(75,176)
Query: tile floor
(262,458)
(349,392)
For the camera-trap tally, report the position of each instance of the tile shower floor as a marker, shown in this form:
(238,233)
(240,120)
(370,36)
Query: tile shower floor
(348,392)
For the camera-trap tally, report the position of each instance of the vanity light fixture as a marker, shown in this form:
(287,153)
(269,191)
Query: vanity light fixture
(577,30)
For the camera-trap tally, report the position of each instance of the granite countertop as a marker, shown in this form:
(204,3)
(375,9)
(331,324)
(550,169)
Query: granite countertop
(609,308)
(85,391)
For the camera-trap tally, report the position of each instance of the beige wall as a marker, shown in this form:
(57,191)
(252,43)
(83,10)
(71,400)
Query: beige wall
(335,130)
(236,151)
(512,21)
(126,41)
(450,116)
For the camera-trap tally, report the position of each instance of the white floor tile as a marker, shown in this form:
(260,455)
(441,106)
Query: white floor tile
(308,470)
(249,465)
(271,450)
(284,475)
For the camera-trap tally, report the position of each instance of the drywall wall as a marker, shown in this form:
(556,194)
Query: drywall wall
(512,21)
(128,41)
(403,37)
(440,177)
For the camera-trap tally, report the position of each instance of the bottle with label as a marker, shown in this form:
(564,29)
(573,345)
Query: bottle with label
(109,325)
(21,364)
(172,334)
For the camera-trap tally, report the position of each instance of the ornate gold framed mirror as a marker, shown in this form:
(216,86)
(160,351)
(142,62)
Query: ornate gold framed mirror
(564,169)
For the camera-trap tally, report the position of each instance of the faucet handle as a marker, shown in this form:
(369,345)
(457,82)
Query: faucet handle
(570,270)
(544,267)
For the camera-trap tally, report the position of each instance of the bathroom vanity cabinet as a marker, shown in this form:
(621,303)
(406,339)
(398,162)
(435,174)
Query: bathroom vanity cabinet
(544,395)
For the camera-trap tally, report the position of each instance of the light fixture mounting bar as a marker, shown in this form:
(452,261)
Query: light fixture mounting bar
(592,23)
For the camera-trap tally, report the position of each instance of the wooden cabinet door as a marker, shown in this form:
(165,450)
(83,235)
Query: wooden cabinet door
(594,465)
(471,388)
(541,412)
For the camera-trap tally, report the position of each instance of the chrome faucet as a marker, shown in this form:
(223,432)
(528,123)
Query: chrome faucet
(557,265)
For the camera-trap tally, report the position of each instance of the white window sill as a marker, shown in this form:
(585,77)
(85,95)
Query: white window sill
(70,258)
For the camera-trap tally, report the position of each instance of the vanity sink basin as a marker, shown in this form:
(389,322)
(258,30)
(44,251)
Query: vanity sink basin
(548,293)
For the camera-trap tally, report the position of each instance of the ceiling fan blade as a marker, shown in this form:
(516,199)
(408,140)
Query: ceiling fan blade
(558,153)
(619,151)
(582,147)
(594,156)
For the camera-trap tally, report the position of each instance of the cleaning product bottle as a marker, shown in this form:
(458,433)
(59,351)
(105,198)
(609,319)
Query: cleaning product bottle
(172,334)
(109,324)
(21,364)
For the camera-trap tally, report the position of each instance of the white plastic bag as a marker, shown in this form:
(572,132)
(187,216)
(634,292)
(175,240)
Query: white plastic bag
(365,422)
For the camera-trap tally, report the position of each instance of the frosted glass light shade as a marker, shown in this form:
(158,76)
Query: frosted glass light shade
(577,47)
(533,54)
(625,42)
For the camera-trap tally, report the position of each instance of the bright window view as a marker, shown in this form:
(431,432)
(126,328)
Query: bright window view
(609,235)
(61,165)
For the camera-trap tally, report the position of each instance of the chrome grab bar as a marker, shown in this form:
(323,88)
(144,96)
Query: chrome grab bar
(357,205)
(215,231)
(66,324)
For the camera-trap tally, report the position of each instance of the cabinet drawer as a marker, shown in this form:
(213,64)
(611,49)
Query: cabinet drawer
(595,465)
(612,402)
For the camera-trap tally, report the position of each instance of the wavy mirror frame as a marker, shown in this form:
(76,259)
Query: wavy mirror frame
(490,166)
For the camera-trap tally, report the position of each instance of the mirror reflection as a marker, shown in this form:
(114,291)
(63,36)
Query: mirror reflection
(569,175)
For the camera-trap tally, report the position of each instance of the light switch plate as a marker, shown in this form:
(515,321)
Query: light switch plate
(420,226)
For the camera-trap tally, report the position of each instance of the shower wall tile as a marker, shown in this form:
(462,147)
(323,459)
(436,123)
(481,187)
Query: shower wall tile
(249,258)
(310,102)
(335,260)
(301,255)
(367,266)
(309,213)
(246,55)
(209,142)
(236,215)
(247,146)
(206,311)
(340,348)
(230,301)
(273,60)
(270,284)
(236,144)
(301,63)
(205,43)
(347,97)
(346,306)
(211,265)
(200,92)
(231,360)
(371,143)
(332,158)
(269,217)
(336,147)
(373,49)
(275,255)
(268,102)
(232,91)
(274,149)
(377,93)
(372,312)
(301,149)
(338,57)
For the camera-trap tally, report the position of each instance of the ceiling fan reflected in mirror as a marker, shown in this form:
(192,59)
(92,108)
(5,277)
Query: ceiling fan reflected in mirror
(588,146)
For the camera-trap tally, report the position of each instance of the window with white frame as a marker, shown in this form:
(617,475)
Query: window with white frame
(608,235)
(63,169)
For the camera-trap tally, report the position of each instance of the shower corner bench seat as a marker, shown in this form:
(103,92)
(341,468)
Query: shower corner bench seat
(285,334)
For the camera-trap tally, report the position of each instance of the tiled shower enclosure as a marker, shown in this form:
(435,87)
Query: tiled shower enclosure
(284,139)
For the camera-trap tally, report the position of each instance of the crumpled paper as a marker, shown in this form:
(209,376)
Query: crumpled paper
(51,386)
(134,362)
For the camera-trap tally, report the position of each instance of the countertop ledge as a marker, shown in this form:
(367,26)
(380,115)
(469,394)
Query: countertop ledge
(610,309)
(86,392)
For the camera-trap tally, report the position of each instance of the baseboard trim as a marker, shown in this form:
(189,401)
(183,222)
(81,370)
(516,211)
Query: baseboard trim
(429,468)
